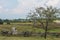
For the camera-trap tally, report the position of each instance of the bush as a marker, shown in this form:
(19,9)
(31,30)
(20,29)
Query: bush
(1,21)
(4,32)
(26,34)
(56,34)
(8,22)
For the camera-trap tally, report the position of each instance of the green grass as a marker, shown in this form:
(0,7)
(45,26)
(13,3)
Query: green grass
(54,30)
(27,38)
(21,28)
(19,38)
(25,27)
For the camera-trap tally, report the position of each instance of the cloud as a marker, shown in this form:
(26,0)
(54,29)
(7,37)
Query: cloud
(2,9)
(7,4)
(22,7)
(52,2)
(27,5)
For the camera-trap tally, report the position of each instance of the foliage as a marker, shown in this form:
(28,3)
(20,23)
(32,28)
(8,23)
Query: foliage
(7,21)
(48,13)
(1,21)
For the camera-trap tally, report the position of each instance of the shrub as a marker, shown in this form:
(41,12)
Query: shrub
(4,32)
(8,22)
(1,21)
(26,34)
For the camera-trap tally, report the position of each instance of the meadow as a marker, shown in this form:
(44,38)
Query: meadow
(28,26)
(27,38)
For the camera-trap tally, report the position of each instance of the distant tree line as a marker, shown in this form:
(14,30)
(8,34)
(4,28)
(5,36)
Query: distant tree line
(8,21)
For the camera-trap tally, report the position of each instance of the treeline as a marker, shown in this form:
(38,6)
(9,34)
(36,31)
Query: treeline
(4,21)
(8,21)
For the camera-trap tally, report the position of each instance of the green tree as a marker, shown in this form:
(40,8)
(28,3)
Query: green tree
(47,13)
(1,21)
(7,21)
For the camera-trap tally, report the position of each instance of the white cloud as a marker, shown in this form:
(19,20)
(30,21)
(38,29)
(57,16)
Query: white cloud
(7,6)
(21,7)
(52,2)
(3,10)
(0,7)
(27,5)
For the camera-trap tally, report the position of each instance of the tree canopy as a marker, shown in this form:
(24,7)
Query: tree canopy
(47,13)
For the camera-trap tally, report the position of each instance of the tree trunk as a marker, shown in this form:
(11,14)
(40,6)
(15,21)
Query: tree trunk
(46,29)
(34,23)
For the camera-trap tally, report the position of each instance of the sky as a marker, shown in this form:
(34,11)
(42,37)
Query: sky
(14,9)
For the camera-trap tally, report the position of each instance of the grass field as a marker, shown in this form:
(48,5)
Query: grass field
(29,27)
(27,38)
(25,27)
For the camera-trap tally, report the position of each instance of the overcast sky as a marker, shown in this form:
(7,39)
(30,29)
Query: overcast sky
(11,9)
